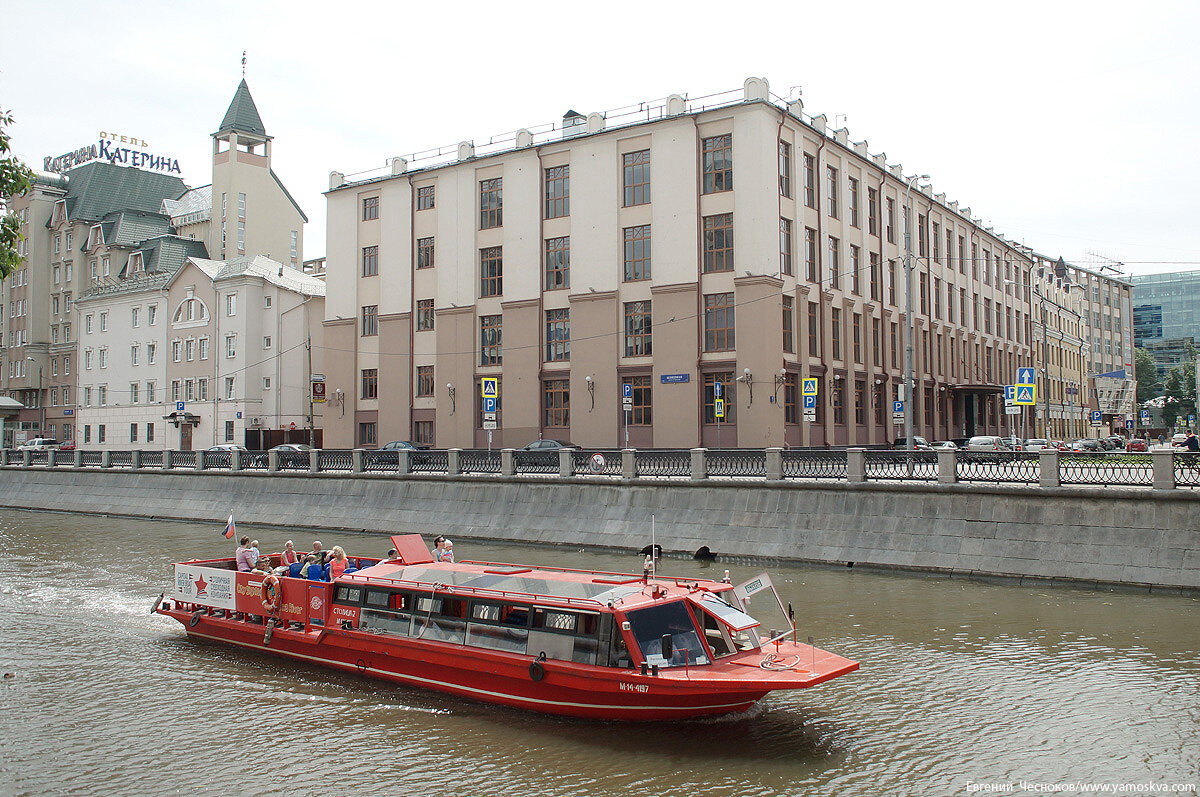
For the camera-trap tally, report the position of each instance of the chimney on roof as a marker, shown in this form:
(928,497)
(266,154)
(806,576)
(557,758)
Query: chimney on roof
(574,124)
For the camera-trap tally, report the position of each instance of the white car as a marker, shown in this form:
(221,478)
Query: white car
(950,445)
(987,443)
(1036,444)
(39,444)
(1178,439)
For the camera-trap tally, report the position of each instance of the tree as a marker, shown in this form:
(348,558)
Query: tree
(1145,370)
(1180,390)
(15,180)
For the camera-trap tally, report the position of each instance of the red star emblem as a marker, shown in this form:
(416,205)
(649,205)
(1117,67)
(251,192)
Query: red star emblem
(201,586)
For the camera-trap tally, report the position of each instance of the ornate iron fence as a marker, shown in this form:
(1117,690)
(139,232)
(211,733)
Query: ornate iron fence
(217,460)
(120,459)
(335,460)
(183,459)
(663,463)
(92,459)
(1187,470)
(429,461)
(535,461)
(903,465)
(814,464)
(1134,469)
(737,463)
(151,459)
(380,461)
(602,462)
(479,460)
(1001,466)
(293,460)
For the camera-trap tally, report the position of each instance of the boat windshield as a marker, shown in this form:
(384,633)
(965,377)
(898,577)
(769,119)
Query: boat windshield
(649,626)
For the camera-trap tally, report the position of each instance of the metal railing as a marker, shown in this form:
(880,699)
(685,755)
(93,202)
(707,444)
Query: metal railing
(1159,469)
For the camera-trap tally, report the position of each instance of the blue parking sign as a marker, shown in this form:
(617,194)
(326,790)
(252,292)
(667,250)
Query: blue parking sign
(810,402)
(627,390)
(1096,416)
(897,406)
(489,404)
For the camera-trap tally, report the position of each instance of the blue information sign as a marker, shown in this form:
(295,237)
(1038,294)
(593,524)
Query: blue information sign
(716,389)
(1096,416)
(627,390)
(489,404)
(669,379)
(810,402)
(179,406)
(898,407)
(1010,393)
(1129,423)
(1025,376)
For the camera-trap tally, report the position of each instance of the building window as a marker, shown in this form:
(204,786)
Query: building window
(637,253)
(724,379)
(718,243)
(367,434)
(718,322)
(424,380)
(875,275)
(641,414)
(149,394)
(491,271)
(558,335)
(425,253)
(370,208)
(135,314)
(87,433)
(636,177)
(230,346)
(891,220)
(266,383)
(491,203)
(102,392)
(855,270)
(424,315)
(133,355)
(491,351)
(100,433)
(425,197)
(230,306)
(810,180)
(922,237)
(176,392)
(856,337)
(835,331)
(104,357)
(202,390)
(877,341)
(791,399)
(266,302)
(785,169)
(838,395)
(638,338)
(788,316)
(228,431)
(860,402)
(814,330)
(203,348)
(104,322)
(151,351)
(785,246)
(151,314)
(266,341)
(558,263)
(854,222)
(835,266)
(810,255)
(556,403)
(230,383)
(717,155)
(370,320)
(370,261)
(558,192)
(831,180)
(189,347)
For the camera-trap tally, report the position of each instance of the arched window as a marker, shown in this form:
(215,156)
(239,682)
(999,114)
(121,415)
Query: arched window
(190,312)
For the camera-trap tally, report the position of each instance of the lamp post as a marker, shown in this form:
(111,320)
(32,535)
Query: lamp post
(908,315)
(41,403)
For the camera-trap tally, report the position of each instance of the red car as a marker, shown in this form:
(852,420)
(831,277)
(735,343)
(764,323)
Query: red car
(1136,445)
(67,445)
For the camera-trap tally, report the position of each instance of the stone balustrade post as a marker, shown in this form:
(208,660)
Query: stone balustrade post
(51,458)
(168,461)
(1163,464)
(856,465)
(106,459)
(1048,475)
(4,456)
(774,464)
(404,462)
(273,461)
(628,464)
(135,458)
(566,463)
(947,464)
(356,460)
(454,462)
(699,464)
(508,467)
(26,458)
(201,461)
(235,460)
(314,461)
(78,458)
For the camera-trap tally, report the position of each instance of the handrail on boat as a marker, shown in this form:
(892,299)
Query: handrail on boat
(432,586)
(678,581)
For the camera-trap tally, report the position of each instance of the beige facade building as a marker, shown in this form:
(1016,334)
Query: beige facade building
(733,241)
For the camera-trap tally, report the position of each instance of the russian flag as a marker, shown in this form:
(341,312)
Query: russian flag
(229,529)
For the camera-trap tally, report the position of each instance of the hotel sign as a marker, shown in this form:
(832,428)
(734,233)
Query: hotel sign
(111,148)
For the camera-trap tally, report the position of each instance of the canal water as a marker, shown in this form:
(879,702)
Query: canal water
(963,684)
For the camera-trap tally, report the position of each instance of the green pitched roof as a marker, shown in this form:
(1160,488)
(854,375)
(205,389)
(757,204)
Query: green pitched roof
(131,227)
(97,189)
(243,114)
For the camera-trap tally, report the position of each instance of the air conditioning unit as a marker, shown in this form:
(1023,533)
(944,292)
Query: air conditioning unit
(256,421)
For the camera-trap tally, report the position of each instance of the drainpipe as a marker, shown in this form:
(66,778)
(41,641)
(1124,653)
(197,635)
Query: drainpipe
(412,309)
(541,316)
(826,420)
(699,291)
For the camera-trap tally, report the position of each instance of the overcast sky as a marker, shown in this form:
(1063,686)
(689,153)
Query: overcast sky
(1068,126)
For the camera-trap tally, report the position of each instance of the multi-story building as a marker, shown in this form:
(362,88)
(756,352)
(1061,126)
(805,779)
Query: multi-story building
(702,253)
(1166,318)
(103,242)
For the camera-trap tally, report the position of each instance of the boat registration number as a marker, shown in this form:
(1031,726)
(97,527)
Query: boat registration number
(625,687)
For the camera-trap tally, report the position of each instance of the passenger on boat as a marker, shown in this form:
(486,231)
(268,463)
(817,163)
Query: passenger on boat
(263,565)
(312,569)
(254,554)
(289,556)
(337,562)
(319,552)
(242,556)
(439,548)
(392,553)
(447,551)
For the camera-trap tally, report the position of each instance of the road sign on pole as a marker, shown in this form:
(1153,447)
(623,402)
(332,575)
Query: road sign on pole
(1026,376)
(1097,418)
(719,407)
(489,387)
(809,387)
(1025,394)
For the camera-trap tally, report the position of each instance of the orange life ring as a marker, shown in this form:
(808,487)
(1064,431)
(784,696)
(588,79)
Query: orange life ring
(270,593)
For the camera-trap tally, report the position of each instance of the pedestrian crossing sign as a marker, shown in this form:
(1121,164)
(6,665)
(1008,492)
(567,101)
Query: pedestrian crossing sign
(719,408)
(1026,394)
(489,387)
(809,387)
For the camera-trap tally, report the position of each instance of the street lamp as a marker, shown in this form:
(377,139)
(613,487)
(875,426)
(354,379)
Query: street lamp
(908,315)
(591,389)
(450,393)
(41,404)
(749,380)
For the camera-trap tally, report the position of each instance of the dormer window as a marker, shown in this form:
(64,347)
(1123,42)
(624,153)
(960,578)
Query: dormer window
(135,263)
(60,213)
(95,237)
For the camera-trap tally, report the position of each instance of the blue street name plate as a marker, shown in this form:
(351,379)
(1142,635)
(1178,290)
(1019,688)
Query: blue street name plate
(670,379)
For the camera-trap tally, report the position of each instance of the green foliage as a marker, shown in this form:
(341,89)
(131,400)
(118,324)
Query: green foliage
(1180,390)
(15,180)
(1145,369)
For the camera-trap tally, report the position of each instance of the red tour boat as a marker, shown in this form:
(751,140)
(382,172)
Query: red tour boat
(582,643)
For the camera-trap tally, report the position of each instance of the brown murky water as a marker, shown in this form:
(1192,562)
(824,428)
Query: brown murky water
(962,683)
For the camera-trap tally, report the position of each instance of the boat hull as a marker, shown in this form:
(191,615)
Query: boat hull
(564,688)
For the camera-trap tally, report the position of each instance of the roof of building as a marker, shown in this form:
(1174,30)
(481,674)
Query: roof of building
(130,227)
(194,200)
(162,256)
(264,268)
(97,189)
(288,194)
(242,115)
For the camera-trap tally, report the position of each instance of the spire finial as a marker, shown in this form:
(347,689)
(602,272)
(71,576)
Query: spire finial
(243,63)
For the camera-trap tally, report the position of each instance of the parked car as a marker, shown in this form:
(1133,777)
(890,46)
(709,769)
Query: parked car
(39,444)
(1037,444)
(919,444)
(66,445)
(1178,439)
(1061,445)
(292,447)
(226,447)
(542,452)
(548,445)
(1013,442)
(1112,443)
(1137,444)
(410,446)
(985,442)
(1086,444)
(947,444)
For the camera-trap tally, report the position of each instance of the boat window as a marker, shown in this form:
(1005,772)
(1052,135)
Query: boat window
(377,597)
(566,635)
(734,618)
(348,595)
(716,634)
(650,625)
(486,611)
(391,616)
(441,619)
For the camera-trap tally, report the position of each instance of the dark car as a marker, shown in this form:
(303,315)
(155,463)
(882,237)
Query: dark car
(919,444)
(541,453)
(1086,444)
(409,446)
(292,456)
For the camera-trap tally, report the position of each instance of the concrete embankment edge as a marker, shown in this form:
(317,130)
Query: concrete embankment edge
(1136,539)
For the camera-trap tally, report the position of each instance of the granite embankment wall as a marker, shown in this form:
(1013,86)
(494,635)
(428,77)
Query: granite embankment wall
(1102,535)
